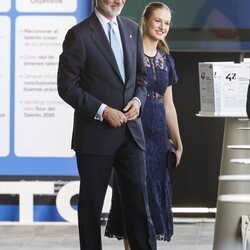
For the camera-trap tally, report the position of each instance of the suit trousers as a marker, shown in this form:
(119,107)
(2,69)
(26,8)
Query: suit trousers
(95,171)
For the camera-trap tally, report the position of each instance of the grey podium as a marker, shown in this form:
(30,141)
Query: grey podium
(234,185)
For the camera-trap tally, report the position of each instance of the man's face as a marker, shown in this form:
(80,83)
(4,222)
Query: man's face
(110,8)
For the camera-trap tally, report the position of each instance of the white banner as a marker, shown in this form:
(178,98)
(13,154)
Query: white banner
(43,121)
(46,5)
(4,5)
(4,85)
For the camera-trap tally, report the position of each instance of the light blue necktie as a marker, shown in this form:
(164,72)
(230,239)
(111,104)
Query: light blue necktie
(116,47)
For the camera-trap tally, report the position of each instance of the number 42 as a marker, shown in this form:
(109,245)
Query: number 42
(231,76)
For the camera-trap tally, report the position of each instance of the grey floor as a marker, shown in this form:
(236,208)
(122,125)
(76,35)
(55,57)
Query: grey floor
(187,236)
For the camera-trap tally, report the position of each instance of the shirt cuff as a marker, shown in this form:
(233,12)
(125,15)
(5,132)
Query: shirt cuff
(99,113)
(136,98)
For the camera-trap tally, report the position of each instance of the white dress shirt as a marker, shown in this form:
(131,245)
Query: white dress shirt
(104,22)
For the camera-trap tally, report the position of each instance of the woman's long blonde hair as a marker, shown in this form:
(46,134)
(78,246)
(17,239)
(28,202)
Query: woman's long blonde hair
(148,11)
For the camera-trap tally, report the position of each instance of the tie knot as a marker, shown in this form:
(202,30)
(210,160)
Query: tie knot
(111,25)
(111,32)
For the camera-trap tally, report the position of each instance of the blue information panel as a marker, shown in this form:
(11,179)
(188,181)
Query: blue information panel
(35,124)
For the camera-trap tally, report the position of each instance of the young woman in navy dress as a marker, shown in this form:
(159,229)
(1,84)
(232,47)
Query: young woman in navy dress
(159,121)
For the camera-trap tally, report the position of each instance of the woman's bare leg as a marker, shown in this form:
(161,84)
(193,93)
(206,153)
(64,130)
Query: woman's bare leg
(126,245)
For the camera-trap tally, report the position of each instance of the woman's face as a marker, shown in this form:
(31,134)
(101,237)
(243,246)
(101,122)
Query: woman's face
(158,25)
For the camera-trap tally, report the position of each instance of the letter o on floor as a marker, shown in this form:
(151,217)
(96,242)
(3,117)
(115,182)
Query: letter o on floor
(63,198)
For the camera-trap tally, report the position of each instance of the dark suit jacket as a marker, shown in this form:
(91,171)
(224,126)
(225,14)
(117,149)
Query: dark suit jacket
(248,102)
(89,76)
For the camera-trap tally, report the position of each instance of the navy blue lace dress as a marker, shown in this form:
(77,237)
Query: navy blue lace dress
(161,74)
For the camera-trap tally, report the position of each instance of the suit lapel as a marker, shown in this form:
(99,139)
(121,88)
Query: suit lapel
(100,39)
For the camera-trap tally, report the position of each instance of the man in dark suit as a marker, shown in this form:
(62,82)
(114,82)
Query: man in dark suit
(107,97)
(248,102)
